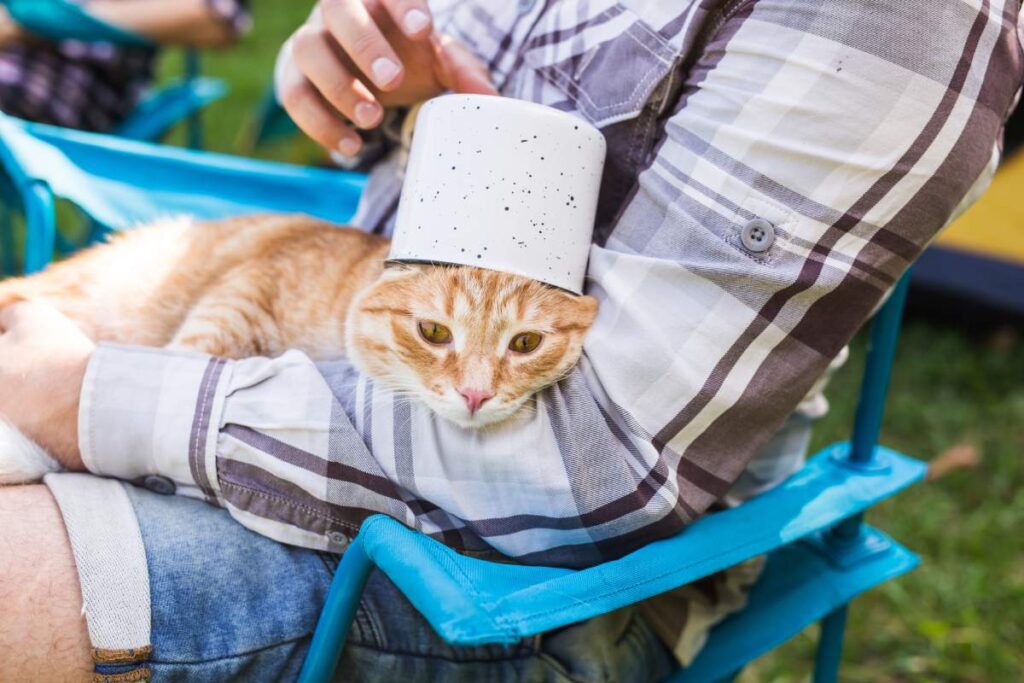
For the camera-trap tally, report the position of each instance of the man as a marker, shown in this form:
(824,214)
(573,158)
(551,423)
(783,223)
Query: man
(774,166)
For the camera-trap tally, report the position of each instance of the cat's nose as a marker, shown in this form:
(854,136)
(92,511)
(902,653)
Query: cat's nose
(475,398)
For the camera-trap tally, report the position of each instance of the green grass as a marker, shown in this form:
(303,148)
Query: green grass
(960,617)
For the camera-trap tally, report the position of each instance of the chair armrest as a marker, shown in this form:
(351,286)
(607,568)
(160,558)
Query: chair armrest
(62,20)
(164,107)
(470,601)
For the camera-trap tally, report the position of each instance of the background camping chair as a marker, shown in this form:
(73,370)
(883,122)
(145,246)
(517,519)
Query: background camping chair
(162,107)
(155,115)
(821,554)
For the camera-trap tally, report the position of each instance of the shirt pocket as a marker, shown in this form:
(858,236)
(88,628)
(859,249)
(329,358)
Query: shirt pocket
(605,67)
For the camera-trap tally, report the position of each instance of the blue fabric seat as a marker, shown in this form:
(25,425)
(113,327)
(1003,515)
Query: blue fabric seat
(820,554)
(119,183)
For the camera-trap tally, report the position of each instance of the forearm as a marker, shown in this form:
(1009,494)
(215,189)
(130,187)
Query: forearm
(185,22)
(10,31)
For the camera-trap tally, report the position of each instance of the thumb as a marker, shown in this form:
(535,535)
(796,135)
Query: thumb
(460,70)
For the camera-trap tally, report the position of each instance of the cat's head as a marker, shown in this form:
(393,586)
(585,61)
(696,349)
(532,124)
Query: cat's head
(472,344)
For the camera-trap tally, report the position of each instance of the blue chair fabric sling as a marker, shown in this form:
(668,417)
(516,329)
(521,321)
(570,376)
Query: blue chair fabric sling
(820,552)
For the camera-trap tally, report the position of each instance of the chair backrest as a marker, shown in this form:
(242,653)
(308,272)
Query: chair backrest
(120,183)
(123,182)
(166,106)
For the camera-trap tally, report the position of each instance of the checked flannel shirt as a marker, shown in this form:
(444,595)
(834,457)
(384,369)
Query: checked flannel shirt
(854,129)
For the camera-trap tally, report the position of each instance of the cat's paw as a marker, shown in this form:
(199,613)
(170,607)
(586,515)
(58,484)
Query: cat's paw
(21,460)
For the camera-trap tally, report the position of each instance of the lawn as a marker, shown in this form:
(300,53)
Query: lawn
(960,617)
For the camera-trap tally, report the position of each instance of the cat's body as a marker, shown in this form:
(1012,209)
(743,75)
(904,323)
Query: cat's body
(252,286)
(472,344)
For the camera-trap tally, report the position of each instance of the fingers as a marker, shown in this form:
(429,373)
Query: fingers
(412,16)
(350,23)
(460,70)
(316,58)
(310,111)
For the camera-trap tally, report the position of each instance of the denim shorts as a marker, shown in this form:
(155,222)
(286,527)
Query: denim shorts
(226,604)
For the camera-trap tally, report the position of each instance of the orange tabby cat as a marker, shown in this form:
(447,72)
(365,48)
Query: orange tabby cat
(472,344)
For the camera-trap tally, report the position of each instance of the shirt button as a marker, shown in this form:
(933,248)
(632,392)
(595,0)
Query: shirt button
(757,235)
(338,538)
(525,6)
(158,484)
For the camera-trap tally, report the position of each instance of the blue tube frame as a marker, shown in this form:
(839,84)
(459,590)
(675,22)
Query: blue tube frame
(336,617)
(194,131)
(354,570)
(40,226)
(867,425)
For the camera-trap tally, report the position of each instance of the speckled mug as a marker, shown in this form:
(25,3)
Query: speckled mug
(501,184)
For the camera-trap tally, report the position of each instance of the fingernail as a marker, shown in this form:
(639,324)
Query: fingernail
(348,147)
(415,20)
(384,70)
(366,113)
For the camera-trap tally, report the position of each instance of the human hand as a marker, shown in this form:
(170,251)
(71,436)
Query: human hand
(43,356)
(10,30)
(352,60)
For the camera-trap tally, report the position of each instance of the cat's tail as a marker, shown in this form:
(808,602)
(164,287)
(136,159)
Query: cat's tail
(21,460)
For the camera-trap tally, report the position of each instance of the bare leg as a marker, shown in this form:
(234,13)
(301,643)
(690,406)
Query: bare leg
(43,634)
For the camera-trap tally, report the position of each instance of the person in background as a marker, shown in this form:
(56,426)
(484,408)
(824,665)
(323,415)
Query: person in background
(94,86)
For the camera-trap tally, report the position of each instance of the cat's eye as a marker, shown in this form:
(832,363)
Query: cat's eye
(525,342)
(435,333)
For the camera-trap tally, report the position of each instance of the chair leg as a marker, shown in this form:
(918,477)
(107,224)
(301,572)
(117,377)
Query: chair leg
(830,647)
(194,125)
(336,616)
(7,260)
(40,227)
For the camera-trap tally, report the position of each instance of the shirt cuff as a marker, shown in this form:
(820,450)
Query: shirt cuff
(147,411)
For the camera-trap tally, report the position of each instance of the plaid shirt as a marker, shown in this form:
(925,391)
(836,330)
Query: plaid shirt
(89,86)
(849,133)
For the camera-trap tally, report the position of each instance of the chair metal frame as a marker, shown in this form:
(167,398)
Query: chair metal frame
(845,544)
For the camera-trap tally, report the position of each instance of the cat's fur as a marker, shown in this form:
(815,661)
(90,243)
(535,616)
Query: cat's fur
(259,285)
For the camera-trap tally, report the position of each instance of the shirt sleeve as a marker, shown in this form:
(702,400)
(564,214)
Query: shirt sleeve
(801,172)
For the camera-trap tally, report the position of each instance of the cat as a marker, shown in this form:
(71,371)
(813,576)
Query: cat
(474,345)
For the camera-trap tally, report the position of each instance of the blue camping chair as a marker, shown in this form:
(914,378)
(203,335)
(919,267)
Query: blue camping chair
(820,553)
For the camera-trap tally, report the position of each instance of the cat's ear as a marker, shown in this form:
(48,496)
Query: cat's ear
(579,310)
